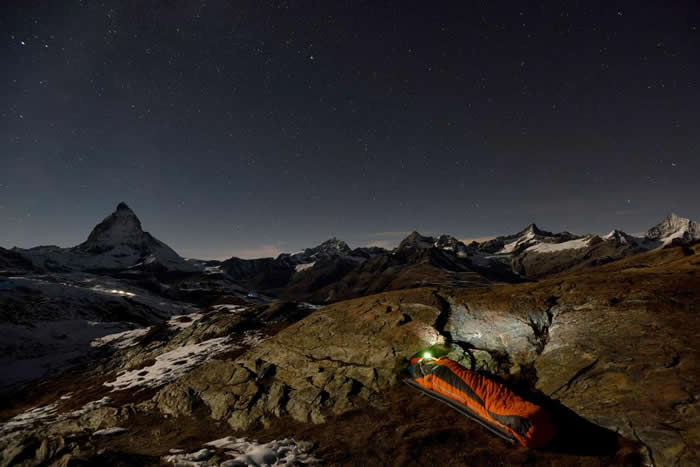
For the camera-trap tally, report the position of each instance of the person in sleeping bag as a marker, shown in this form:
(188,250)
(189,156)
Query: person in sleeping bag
(489,401)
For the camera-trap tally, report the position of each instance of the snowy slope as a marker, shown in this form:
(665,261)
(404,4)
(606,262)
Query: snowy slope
(531,239)
(576,244)
(48,321)
(522,241)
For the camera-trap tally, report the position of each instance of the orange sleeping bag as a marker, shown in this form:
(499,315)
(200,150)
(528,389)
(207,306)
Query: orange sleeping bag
(492,403)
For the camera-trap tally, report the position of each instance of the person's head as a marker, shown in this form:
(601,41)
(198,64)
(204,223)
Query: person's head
(425,355)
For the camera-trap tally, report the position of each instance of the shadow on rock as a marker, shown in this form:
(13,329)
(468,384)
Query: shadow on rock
(116,459)
(576,435)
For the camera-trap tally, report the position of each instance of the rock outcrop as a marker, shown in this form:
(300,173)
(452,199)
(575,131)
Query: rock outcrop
(617,345)
(325,364)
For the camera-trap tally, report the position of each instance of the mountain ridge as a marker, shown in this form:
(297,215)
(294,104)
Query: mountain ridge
(118,244)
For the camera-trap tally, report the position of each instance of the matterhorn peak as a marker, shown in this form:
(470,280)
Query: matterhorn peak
(122,226)
(116,243)
(122,206)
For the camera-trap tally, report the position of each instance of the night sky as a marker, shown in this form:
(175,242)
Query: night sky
(253,127)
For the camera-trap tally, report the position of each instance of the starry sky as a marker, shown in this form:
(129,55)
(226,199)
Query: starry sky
(253,127)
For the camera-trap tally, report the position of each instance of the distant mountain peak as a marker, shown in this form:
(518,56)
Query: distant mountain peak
(416,240)
(118,242)
(620,238)
(532,229)
(119,227)
(329,248)
(122,206)
(614,233)
(332,246)
(443,242)
(415,235)
(674,226)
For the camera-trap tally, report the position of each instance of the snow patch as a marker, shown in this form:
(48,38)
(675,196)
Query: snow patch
(229,308)
(304,266)
(47,414)
(184,321)
(253,338)
(110,431)
(28,418)
(213,270)
(241,452)
(576,244)
(171,365)
(120,340)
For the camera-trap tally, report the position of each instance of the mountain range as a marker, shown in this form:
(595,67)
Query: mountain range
(332,270)
(111,344)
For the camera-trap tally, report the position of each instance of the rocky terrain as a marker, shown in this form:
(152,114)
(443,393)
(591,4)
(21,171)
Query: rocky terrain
(180,363)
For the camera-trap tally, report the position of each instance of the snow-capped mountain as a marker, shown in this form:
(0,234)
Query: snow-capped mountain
(536,253)
(620,238)
(532,240)
(297,273)
(330,248)
(674,227)
(416,240)
(116,243)
(443,242)
(530,237)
